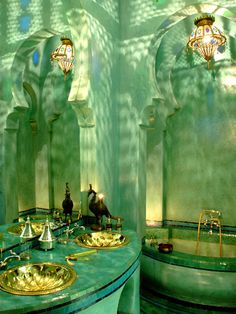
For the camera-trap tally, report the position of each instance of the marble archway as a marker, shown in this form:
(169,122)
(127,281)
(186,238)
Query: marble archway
(164,53)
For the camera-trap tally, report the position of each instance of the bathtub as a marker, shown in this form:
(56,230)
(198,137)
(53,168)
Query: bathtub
(191,274)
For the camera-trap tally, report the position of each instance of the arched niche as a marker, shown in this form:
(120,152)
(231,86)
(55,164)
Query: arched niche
(25,122)
(21,126)
(168,44)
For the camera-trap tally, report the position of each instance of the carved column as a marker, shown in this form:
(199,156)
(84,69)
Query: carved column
(10,175)
(50,165)
(2,196)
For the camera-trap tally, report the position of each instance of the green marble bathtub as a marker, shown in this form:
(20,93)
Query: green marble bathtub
(205,279)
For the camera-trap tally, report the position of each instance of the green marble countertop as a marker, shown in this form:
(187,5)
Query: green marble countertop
(98,275)
(8,240)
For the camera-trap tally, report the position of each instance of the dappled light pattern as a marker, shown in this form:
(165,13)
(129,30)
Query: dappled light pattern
(23,20)
(178,88)
(102,52)
(227,78)
(128,154)
(128,135)
(115,78)
(6,61)
(135,50)
(32,63)
(142,11)
(111,7)
(200,150)
(199,143)
(80,34)
(26,17)
(104,56)
(53,163)
(57,17)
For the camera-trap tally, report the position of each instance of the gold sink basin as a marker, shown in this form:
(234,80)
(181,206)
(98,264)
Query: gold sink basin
(37,226)
(37,278)
(102,240)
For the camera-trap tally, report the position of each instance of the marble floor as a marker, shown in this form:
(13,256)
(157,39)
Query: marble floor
(152,303)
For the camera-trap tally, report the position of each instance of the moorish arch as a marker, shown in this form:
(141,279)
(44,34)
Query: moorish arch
(166,48)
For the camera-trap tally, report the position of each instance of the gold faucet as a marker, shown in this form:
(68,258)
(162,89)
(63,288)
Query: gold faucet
(212,218)
(3,264)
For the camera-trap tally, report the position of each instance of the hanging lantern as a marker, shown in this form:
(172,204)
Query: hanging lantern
(64,55)
(206,38)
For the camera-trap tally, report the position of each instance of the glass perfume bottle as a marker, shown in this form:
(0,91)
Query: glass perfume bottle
(118,225)
(108,224)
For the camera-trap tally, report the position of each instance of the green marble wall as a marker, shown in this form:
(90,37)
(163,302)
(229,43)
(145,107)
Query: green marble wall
(187,165)
(200,149)
(45,120)
(123,120)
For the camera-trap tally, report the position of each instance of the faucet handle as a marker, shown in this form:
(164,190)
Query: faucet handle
(12,253)
(3,265)
(25,256)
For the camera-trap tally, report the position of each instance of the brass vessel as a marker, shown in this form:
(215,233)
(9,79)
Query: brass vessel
(37,278)
(102,240)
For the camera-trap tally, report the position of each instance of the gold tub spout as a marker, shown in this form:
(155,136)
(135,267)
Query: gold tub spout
(212,218)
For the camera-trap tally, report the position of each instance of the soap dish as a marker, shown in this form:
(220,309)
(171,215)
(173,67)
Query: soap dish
(165,247)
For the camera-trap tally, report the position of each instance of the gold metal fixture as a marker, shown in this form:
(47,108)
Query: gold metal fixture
(206,38)
(37,279)
(64,55)
(4,263)
(102,240)
(75,256)
(213,219)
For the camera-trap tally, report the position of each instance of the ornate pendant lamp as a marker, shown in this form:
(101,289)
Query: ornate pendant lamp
(64,55)
(206,38)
